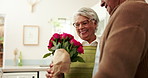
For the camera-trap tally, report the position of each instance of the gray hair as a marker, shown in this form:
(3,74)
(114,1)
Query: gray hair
(88,13)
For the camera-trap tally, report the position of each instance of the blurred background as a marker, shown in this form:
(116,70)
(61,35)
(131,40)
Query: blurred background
(41,18)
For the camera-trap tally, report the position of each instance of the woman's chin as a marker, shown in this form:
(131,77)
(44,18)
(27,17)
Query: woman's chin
(83,37)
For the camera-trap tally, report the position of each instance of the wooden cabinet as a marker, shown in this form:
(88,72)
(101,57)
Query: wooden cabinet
(20,75)
(42,74)
(23,72)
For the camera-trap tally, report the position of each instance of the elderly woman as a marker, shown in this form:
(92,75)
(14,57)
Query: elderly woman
(86,23)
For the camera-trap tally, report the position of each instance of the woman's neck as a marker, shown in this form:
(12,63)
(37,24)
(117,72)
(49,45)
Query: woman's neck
(92,39)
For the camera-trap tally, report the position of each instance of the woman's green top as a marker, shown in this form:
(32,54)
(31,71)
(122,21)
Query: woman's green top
(83,70)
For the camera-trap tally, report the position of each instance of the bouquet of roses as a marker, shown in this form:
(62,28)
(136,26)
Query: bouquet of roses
(65,49)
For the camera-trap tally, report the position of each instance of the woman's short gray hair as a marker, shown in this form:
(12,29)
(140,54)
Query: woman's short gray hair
(87,12)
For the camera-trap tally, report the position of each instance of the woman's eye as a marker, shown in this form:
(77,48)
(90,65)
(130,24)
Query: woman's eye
(77,24)
(84,23)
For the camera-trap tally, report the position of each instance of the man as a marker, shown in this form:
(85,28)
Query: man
(124,44)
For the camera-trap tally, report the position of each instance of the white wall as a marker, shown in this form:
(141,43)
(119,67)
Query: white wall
(17,13)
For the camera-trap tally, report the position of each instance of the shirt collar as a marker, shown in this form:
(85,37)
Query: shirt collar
(94,43)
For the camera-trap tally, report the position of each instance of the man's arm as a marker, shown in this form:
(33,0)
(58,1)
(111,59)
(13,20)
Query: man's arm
(124,45)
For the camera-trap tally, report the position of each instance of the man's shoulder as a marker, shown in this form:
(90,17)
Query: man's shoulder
(130,10)
(128,5)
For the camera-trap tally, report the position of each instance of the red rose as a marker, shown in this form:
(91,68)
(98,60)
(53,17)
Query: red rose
(66,36)
(73,41)
(70,36)
(56,36)
(80,50)
(52,39)
(79,44)
(50,45)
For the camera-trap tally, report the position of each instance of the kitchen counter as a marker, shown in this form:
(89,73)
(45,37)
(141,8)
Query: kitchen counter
(24,71)
(23,68)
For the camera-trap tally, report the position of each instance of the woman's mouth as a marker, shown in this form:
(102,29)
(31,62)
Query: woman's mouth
(83,31)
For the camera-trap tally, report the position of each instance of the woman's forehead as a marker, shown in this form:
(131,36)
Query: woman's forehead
(77,18)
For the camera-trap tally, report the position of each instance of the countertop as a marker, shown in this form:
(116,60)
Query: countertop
(23,68)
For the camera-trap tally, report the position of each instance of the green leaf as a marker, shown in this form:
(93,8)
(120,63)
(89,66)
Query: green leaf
(67,49)
(58,46)
(54,43)
(70,46)
(75,54)
(50,49)
(74,60)
(71,53)
(78,58)
(46,55)
(65,44)
(53,48)
(74,50)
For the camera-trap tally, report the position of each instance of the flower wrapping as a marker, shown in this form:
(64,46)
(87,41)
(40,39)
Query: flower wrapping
(61,62)
(65,49)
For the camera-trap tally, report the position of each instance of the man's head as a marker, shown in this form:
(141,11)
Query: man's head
(86,22)
(111,4)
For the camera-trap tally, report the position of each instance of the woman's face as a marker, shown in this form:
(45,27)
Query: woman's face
(85,27)
(110,4)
